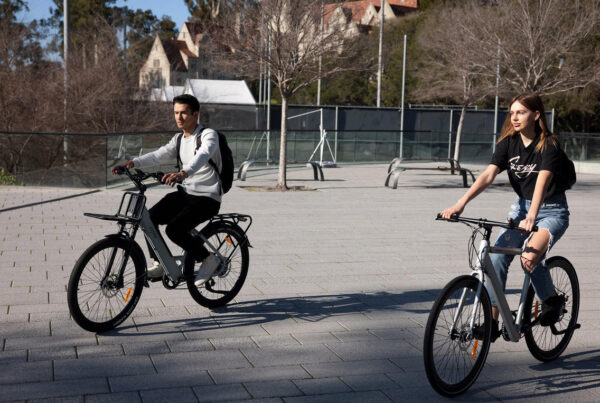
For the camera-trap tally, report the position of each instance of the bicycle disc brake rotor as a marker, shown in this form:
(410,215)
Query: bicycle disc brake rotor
(223,269)
(110,287)
(464,339)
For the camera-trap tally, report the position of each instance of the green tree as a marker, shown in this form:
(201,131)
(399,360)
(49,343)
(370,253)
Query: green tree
(206,10)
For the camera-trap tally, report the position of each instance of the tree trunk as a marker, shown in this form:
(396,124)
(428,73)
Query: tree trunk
(281,178)
(463,112)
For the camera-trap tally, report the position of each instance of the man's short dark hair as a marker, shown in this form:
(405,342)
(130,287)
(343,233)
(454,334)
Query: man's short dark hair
(189,100)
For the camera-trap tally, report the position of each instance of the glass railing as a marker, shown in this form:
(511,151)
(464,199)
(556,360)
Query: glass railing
(84,160)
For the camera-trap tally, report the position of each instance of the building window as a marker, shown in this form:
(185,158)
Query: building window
(156,63)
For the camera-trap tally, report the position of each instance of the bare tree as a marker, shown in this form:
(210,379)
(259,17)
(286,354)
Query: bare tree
(453,67)
(103,98)
(286,37)
(544,46)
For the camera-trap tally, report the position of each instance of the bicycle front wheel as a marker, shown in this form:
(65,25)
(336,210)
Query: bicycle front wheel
(228,279)
(105,285)
(453,356)
(542,341)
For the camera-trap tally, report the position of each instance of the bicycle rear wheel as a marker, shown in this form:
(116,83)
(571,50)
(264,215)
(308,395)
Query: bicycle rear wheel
(99,301)
(453,357)
(541,340)
(227,281)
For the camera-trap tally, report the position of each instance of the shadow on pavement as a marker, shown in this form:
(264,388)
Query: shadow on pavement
(300,309)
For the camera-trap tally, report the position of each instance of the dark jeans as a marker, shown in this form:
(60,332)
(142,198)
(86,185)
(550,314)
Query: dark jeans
(182,212)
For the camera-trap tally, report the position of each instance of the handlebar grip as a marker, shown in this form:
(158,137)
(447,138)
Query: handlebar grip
(120,170)
(159,175)
(453,217)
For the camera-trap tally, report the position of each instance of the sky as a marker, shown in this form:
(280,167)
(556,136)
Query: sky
(176,9)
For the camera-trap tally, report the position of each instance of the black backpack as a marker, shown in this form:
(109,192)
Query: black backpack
(567,170)
(226,174)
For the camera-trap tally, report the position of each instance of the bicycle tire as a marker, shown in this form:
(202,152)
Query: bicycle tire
(98,308)
(454,360)
(541,342)
(227,281)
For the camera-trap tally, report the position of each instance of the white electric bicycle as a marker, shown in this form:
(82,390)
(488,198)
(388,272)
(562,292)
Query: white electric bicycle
(453,355)
(107,280)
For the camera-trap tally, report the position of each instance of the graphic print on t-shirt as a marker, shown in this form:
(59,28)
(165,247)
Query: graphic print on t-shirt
(521,171)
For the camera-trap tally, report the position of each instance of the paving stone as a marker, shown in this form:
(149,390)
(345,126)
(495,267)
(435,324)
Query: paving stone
(54,389)
(182,362)
(282,355)
(353,397)
(321,386)
(283,388)
(350,368)
(225,376)
(29,371)
(220,393)
(126,397)
(107,366)
(164,395)
(193,377)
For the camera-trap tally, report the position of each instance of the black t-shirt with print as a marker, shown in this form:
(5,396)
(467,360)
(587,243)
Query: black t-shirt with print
(524,164)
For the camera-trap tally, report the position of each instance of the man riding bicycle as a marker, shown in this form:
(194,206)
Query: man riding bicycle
(199,190)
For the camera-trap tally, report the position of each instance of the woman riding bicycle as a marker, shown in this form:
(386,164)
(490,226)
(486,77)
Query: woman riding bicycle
(531,155)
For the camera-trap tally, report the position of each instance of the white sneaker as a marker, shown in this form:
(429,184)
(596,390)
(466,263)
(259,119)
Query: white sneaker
(208,267)
(156,270)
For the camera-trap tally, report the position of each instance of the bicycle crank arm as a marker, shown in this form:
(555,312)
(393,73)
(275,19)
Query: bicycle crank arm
(568,329)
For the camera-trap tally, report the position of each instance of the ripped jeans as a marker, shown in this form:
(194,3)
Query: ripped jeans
(553,216)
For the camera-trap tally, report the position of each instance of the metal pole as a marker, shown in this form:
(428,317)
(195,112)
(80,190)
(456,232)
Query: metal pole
(336,136)
(322,138)
(496,100)
(320,57)
(402,100)
(380,67)
(268,99)
(66,18)
(450,134)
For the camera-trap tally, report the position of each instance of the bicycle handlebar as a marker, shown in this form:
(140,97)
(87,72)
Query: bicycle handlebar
(482,222)
(139,176)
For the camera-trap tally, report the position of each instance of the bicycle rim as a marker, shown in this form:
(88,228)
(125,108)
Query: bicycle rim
(453,358)
(227,281)
(541,341)
(99,307)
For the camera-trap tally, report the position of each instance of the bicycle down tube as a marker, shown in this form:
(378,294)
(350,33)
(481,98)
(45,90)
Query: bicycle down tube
(497,289)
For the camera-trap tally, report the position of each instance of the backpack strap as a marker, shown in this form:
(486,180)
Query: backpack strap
(179,165)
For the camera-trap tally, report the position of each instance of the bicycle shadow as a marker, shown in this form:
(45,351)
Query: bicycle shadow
(307,309)
(563,375)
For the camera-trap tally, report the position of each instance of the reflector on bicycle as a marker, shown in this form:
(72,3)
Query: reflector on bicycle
(128,294)
(475,345)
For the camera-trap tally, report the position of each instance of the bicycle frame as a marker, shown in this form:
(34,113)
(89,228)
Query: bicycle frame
(134,212)
(484,267)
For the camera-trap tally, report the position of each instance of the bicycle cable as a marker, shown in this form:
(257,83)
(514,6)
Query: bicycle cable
(471,248)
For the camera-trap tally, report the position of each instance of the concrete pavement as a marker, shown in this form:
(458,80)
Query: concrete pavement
(340,285)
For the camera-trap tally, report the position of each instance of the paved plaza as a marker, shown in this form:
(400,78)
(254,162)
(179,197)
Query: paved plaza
(341,282)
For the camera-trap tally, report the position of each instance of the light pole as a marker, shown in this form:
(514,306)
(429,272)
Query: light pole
(380,68)
(66,17)
(496,100)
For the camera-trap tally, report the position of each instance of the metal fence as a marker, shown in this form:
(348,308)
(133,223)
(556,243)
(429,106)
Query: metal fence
(84,160)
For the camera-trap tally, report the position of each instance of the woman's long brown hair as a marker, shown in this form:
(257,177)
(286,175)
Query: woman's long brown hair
(533,102)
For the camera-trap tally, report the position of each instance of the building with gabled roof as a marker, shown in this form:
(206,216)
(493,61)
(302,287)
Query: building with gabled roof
(219,91)
(172,61)
(363,15)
